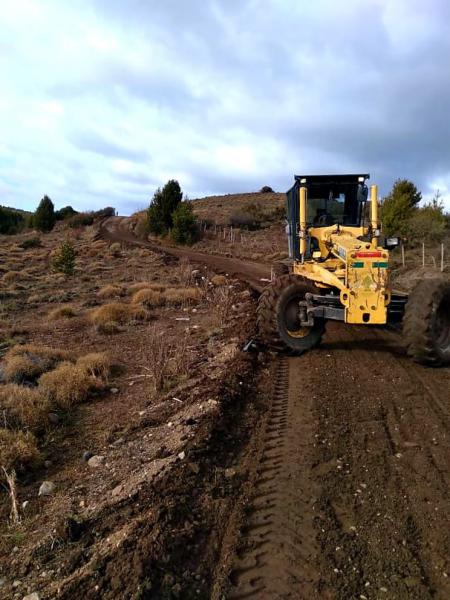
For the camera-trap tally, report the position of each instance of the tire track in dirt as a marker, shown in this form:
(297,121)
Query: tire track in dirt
(277,556)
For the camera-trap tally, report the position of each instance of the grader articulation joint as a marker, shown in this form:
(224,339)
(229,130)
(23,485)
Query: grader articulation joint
(339,270)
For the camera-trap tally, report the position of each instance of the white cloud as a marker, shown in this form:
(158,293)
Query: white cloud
(103,101)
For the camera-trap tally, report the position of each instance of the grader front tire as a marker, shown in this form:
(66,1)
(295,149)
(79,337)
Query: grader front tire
(277,316)
(426,324)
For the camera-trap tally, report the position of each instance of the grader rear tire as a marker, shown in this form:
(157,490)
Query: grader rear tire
(277,316)
(426,324)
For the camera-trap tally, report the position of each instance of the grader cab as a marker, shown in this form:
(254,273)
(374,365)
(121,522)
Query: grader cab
(339,270)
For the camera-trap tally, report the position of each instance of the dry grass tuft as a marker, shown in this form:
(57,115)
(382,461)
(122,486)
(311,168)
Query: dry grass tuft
(11,276)
(148,297)
(110,291)
(61,312)
(23,407)
(179,296)
(28,361)
(158,358)
(146,285)
(108,317)
(98,365)
(18,450)
(115,249)
(221,300)
(219,280)
(67,385)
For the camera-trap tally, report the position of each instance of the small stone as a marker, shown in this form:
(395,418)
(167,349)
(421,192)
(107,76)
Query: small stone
(96,461)
(118,441)
(53,418)
(16,583)
(33,596)
(229,473)
(117,490)
(383,589)
(25,504)
(114,390)
(87,455)
(2,582)
(48,464)
(182,455)
(47,488)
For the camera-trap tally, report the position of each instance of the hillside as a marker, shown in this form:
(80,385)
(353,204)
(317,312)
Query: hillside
(219,209)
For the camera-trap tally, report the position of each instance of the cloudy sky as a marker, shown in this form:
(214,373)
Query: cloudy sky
(102,101)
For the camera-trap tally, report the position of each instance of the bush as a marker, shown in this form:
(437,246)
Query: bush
(11,221)
(266,189)
(108,211)
(81,220)
(185,227)
(65,213)
(33,242)
(159,213)
(64,261)
(146,285)
(44,217)
(427,224)
(244,220)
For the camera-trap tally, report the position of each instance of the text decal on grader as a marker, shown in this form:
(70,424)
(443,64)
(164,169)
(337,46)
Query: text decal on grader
(339,270)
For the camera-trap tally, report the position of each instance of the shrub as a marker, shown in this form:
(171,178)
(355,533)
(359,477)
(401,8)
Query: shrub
(61,312)
(427,224)
(150,298)
(67,385)
(11,221)
(266,189)
(244,220)
(185,227)
(108,211)
(398,207)
(44,217)
(178,296)
(23,407)
(65,213)
(33,242)
(64,260)
(80,220)
(18,450)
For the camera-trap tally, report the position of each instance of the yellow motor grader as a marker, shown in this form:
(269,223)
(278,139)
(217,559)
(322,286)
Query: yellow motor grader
(339,270)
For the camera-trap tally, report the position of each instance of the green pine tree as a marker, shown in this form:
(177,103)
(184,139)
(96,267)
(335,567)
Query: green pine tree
(44,217)
(160,211)
(185,227)
(399,206)
(64,260)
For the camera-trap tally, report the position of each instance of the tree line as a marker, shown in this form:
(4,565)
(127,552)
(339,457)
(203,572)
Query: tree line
(45,217)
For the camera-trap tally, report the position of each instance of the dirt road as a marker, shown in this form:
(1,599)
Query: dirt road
(347,492)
